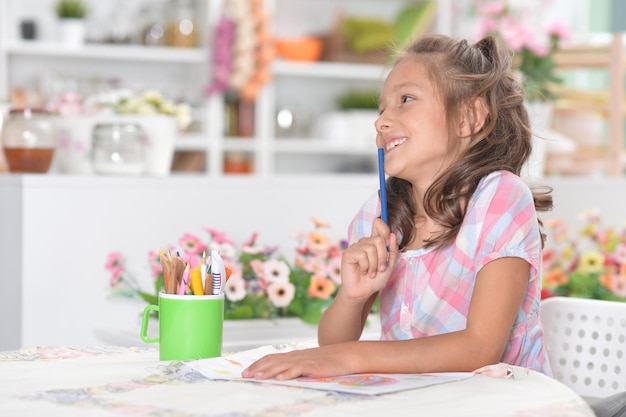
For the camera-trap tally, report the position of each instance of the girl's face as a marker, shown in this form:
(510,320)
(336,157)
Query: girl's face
(412,125)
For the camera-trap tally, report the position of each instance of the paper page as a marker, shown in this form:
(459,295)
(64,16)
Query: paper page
(230,368)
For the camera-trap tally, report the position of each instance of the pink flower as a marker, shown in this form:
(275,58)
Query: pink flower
(560,30)
(275,271)
(154,260)
(114,261)
(494,8)
(194,261)
(251,241)
(486,26)
(225,249)
(235,288)
(618,285)
(314,265)
(619,255)
(116,275)
(218,236)
(157,270)
(538,49)
(516,35)
(258,268)
(191,244)
(281,293)
(334,270)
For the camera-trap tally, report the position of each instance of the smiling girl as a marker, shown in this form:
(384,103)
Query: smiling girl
(457,269)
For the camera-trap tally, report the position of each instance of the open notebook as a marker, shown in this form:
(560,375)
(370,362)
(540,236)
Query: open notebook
(230,368)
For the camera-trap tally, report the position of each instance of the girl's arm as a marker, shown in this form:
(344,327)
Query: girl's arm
(364,272)
(497,297)
(343,322)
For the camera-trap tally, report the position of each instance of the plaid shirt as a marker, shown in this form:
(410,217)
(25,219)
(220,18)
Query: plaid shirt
(430,290)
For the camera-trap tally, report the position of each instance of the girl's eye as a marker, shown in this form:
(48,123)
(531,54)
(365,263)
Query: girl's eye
(406,98)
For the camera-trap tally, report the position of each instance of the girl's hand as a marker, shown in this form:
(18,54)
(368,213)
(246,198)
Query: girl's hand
(367,264)
(314,362)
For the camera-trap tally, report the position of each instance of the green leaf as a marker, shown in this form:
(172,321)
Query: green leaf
(312,316)
(149,298)
(159,284)
(241,312)
(414,20)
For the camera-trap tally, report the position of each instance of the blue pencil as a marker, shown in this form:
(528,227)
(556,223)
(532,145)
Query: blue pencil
(383,188)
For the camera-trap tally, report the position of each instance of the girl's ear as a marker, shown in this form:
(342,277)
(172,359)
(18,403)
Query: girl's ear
(473,115)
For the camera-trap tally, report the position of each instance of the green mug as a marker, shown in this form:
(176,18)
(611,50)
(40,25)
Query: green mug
(190,326)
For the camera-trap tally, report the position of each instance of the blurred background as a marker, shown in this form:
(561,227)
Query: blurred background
(281,87)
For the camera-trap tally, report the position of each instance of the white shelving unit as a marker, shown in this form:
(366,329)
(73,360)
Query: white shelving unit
(314,86)
(609,55)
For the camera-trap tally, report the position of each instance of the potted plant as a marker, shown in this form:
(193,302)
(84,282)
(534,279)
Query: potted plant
(534,46)
(71,14)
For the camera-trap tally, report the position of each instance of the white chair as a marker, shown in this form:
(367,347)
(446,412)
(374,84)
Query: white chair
(586,344)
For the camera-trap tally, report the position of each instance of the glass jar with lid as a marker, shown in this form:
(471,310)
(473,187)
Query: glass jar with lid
(29,140)
(117,149)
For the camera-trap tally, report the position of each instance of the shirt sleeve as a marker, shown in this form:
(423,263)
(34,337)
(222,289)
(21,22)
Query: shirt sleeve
(361,225)
(502,221)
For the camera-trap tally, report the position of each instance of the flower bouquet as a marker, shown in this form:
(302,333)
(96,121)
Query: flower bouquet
(121,102)
(262,283)
(534,47)
(588,264)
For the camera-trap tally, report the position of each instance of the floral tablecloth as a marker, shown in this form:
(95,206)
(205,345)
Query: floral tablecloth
(115,381)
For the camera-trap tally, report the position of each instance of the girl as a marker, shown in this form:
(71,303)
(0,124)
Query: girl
(458,268)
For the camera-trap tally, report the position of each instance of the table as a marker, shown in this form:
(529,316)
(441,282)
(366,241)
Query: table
(131,381)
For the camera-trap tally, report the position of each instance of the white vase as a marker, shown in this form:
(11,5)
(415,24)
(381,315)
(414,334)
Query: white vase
(161,132)
(74,144)
(72,32)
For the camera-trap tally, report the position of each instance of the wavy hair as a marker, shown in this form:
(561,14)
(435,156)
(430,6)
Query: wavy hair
(462,73)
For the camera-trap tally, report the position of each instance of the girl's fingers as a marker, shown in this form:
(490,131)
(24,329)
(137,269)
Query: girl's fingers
(380,228)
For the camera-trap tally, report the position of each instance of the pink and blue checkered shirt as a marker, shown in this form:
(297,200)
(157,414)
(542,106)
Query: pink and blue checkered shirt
(430,290)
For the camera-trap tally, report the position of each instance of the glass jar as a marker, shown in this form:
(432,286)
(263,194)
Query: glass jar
(182,30)
(154,24)
(29,140)
(117,149)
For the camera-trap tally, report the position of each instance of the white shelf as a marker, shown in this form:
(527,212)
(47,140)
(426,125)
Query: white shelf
(240,144)
(109,52)
(321,147)
(191,142)
(334,70)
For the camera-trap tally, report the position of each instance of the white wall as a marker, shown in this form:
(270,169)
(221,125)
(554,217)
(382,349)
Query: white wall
(56,233)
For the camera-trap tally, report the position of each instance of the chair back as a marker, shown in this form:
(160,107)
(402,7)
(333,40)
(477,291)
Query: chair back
(586,344)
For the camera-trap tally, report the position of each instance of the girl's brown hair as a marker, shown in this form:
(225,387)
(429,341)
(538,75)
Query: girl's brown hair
(463,73)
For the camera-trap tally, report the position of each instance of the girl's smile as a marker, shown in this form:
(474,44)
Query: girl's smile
(392,142)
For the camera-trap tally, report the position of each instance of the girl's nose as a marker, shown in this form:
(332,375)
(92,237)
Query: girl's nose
(381,123)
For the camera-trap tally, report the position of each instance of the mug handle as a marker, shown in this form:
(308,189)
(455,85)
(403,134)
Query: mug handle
(144,323)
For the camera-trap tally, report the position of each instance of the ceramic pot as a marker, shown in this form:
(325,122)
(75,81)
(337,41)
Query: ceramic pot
(72,32)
